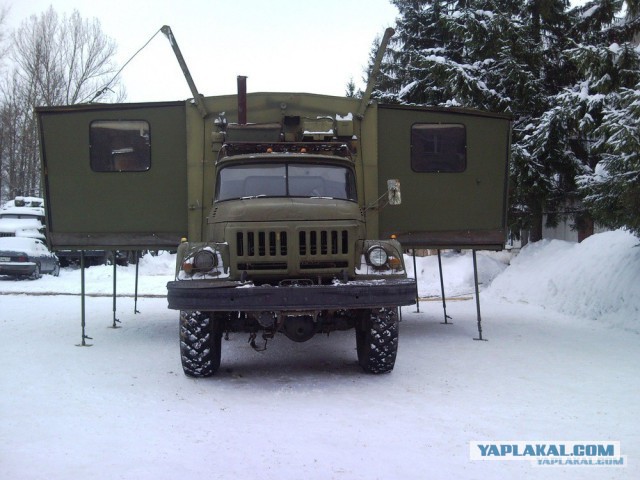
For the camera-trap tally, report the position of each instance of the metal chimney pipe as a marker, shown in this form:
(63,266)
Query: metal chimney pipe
(242,99)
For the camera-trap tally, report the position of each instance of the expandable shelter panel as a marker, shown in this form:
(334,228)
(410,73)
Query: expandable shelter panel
(114,175)
(453,170)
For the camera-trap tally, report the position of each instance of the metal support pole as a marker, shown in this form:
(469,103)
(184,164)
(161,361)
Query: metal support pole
(115,264)
(475,277)
(82,304)
(415,275)
(444,301)
(135,302)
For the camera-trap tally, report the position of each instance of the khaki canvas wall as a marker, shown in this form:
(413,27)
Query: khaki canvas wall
(464,209)
(113,209)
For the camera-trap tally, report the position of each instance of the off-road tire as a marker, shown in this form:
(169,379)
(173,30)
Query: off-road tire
(377,339)
(200,343)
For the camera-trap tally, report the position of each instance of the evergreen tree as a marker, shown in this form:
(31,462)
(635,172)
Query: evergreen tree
(612,190)
(352,91)
(594,108)
(612,187)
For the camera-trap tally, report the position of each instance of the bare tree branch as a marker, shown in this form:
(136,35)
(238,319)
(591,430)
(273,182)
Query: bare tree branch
(56,61)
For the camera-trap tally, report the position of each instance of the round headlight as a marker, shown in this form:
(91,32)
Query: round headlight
(205,260)
(377,256)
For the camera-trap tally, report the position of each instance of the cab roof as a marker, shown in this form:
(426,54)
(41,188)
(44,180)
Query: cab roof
(337,151)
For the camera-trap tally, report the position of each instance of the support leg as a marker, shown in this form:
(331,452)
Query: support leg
(115,264)
(135,302)
(415,275)
(475,278)
(82,304)
(444,301)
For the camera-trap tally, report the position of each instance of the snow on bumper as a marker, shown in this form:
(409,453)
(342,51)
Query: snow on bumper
(234,296)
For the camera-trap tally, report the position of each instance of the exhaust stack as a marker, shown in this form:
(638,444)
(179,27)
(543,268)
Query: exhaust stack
(242,100)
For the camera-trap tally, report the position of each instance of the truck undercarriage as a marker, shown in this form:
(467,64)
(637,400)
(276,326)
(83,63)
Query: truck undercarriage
(298,310)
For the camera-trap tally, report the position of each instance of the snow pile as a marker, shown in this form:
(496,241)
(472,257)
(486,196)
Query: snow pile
(164,263)
(597,279)
(457,272)
(154,272)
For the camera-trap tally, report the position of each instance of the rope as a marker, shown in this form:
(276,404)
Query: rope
(106,87)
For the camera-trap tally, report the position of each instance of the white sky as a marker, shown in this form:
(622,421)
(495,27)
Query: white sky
(281,45)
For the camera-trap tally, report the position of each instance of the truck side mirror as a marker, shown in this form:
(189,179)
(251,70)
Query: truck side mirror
(393,190)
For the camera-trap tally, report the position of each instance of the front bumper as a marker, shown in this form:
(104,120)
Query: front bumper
(234,296)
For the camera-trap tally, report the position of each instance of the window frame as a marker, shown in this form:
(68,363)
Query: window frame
(101,162)
(448,155)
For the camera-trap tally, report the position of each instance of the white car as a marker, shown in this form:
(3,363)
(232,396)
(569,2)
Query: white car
(30,257)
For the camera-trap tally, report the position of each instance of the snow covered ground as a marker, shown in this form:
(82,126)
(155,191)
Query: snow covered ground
(561,363)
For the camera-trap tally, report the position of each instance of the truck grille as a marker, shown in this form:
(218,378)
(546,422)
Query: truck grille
(262,250)
(323,242)
(261,244)
(316,248)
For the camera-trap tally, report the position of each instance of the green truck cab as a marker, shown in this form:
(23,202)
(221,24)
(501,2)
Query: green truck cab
(286,251)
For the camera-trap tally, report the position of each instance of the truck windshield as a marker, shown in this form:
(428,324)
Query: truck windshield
(285,180)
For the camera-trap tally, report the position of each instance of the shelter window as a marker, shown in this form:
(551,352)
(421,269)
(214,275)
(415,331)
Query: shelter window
(120,146)
(438,147)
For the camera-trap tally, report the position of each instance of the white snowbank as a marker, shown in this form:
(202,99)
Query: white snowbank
(123,409)
(597,279)
(457,272)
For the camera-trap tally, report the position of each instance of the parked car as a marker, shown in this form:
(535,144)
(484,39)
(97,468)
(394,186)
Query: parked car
(23,256)
(96,257)
(23,217)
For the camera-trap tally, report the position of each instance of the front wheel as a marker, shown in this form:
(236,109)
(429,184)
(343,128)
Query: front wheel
(200,343)
(377,339)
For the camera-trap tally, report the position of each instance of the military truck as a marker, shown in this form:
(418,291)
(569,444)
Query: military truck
(289,211)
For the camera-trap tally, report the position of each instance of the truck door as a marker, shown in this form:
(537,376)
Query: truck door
(453,168)
(114,176)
